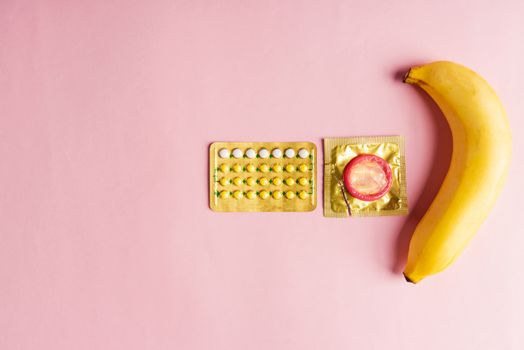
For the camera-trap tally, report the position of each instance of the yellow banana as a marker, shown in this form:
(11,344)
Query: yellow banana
(479,164)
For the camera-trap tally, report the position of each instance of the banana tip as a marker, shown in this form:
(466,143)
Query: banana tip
(406,77)
(408,279)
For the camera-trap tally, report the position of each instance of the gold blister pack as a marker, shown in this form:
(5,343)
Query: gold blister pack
(337,154)
(264,183)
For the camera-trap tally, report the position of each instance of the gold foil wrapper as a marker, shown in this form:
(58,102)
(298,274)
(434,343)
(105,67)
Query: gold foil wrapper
(337,154)
(293,188)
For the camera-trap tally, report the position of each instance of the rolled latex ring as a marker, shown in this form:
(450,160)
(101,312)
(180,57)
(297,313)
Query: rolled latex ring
(367,177)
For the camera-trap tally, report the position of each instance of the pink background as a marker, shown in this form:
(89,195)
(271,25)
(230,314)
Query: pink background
(106,112)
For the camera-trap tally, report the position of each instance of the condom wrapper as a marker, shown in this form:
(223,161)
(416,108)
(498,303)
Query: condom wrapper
(262,176)
(338,152)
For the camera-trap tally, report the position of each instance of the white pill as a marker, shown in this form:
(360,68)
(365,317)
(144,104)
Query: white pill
(250,153)
(303,153)
(263,153)
(290,153)
(223,153)
(237,153)
(277,153)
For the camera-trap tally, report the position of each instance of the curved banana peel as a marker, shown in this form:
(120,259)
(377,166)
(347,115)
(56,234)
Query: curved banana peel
(479,165)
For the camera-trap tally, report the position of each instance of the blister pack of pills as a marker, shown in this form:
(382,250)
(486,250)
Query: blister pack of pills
(262,176)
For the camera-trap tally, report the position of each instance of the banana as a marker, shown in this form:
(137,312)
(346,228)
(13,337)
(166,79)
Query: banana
(479,165)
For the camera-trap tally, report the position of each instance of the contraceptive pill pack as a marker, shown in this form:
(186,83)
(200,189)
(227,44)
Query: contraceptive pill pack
(262,176)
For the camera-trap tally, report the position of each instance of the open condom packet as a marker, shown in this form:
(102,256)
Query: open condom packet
(364,176)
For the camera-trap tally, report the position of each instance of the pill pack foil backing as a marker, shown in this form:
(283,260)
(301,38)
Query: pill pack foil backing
(272,184)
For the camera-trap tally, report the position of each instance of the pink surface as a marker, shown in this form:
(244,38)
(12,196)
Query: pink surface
(106,112)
